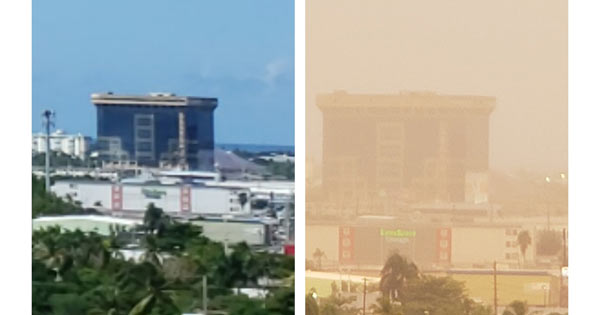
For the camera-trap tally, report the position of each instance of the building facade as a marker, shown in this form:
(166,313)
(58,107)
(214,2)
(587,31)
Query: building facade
(367,244)
(132,199)
(75,145)
(409,147)
(159,129)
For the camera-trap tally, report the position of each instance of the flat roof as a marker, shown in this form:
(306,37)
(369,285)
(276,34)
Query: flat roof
(153,99)
(405,100)
(91,218)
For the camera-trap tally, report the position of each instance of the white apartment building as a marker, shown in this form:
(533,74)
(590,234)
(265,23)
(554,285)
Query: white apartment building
(71,144)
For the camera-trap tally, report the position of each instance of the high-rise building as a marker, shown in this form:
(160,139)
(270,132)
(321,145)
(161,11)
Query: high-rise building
(160,129)
(408,147)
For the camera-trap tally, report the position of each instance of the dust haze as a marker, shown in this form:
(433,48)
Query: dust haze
(436,156)
(515,51)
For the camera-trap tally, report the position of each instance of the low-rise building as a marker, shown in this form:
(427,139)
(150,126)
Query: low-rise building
(132,198)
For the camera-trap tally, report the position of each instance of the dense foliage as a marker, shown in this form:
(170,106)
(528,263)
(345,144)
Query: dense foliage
(59,159)
(276,169)
(281,169)
(404,291)
(87,273)
(46,203)
(549,242)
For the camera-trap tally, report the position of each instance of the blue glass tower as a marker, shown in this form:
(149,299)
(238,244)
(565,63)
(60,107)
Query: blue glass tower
(154,130)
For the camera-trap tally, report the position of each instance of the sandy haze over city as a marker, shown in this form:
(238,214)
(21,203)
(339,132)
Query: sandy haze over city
(513,50)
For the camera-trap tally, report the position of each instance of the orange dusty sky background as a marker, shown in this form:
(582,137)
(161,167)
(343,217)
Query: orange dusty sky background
(514,50)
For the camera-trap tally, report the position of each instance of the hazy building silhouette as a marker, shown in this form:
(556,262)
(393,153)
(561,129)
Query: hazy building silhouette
(405,148)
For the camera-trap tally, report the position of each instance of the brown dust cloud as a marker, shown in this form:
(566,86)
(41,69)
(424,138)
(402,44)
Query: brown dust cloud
(436,155)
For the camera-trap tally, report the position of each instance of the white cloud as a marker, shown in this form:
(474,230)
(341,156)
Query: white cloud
(273,70)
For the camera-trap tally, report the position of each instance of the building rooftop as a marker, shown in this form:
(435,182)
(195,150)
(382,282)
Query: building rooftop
(406,100)
(153,99)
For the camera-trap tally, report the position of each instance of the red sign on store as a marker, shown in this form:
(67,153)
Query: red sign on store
(117,197)
(186,199)
(346,251)
(288,249)
(444,245)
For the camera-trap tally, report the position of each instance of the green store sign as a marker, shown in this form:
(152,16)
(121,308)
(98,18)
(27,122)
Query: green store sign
(153,193)
(398,233)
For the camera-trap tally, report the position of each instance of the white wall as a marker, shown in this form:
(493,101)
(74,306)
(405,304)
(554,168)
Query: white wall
(135,199)
(203,200)
(478,245)
(326,239)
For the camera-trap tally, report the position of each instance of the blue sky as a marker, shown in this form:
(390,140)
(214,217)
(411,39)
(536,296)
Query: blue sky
(241,52)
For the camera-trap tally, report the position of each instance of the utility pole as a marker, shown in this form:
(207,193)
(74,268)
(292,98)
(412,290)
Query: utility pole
(286,221)
(561,300)
(204,295)
(48,115)
(547,205)
(495,291)
(365,296)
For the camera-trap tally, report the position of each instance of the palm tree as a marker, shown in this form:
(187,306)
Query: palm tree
(516,308)
(158,291)
(151,253)
(385,307)
(241,267)
(318,256)
(524,240)
(312,308)
(394,274)
(113,245)
(48,248)
(91,250)
(243,199)
(154,219)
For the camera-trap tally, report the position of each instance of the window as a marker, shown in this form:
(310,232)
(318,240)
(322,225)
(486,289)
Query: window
(144,121)
(507,243)
(144,146)
(444,255)
(144,133)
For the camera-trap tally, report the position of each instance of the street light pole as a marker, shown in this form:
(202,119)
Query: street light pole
(204,295)
(47,115)
(365,296)
(547,206)
(495,291)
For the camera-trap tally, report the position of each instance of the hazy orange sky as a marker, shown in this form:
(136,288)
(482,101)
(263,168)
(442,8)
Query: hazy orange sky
(515,50)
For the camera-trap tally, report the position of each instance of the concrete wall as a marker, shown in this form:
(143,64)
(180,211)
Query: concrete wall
(484,245)
(325,238)
(234,232)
